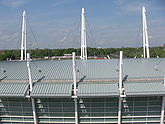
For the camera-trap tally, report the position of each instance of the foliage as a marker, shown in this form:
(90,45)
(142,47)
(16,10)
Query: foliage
(99,52)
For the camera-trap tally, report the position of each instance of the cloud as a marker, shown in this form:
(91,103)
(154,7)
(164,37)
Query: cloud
(8,38)
(63,39)
(130,7)
(13,3)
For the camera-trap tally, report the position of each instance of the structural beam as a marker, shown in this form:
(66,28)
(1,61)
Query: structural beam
(25,44)
(83,36)
(34,111)
(74,74)
(145,35)
(120,72)
(163,107)
(23,38)
(162,111)
(119,110)
(29,71)
(75,88)
(76,110)
(120,87)
(30,89)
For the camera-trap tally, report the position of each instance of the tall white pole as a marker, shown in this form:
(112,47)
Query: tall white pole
(164,80)
(120,71)
(74,73)
(23,32)
(162,111)
(144,43)
(163,107)
(25,44)
(29,71)
(120,87)
(31,86)
(76,110)
(75,88)
(145,35)
(119,110)
(34,110)
(83,36)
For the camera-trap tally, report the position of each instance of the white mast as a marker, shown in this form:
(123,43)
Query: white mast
(23,40)
(120,87)
(29,72)
(145,35)
(120,71)
(83,36)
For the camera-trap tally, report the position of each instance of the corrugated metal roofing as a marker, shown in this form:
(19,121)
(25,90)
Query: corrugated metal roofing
(144,88)
(13,89)
(13,70)
(98,89)
(52,90)
(90,69)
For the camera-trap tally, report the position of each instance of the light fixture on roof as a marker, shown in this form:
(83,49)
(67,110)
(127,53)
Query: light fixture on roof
(3,70)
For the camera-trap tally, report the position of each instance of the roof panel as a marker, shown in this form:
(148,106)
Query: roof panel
(52,90)
(13,89)
(98,89)
(90,69)
(144,88)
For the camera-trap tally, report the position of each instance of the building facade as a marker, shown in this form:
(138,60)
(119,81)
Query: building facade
(52,98)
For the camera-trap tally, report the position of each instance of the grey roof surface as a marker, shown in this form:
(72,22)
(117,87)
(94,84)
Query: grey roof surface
(98,89)
(52,90)
(13,70)
(90,69)
(144,88)
(48,74)
(13,89)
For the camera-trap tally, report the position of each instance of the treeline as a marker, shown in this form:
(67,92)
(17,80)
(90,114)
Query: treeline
(99,52)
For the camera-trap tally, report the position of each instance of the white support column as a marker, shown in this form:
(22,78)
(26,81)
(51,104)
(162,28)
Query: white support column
(25,44)
(162,111)
(120,87)
(76,110)
(145,35)
(164,79)
(34,111)
(29,71)
(23,32)
(120,71)
(74,74)
(144,43)
(119,110)
(31,86)
(75,88)
(163,107)
(83,36)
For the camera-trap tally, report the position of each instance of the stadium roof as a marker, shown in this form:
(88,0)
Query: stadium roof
(99,89)
(144,89)
(52,90)
(88,70)
(13,89)
(95,78)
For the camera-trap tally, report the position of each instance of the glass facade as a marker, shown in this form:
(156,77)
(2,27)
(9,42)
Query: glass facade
(16,110)
(143,110)
(55,110)
(95,110)
(135,110)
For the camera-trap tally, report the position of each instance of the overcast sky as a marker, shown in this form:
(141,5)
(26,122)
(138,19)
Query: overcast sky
(56,23)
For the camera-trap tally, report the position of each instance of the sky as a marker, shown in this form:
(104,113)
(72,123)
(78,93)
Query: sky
(56,23)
